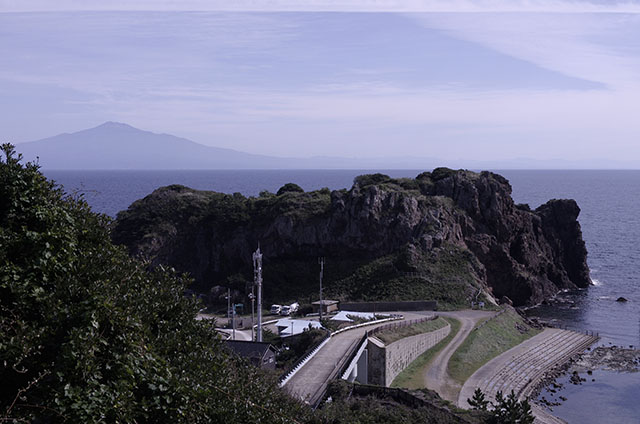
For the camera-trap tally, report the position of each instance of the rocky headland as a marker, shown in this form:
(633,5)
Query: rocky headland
(445,235)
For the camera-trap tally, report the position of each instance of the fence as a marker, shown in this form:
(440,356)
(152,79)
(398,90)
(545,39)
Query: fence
(500,312)
(401,324)
(413,305)
(286,376)
(576,330)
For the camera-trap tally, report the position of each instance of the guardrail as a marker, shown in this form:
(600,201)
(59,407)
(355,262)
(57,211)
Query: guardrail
(393,317)
(401,324)
(340,367)
(345,362)
(284,378)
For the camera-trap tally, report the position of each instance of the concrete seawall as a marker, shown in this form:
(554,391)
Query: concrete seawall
(386,362)
(522,367)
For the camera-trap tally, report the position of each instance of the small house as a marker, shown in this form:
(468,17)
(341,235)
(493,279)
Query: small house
(260,354)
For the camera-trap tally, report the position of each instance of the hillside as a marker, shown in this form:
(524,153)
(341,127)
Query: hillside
(444,235)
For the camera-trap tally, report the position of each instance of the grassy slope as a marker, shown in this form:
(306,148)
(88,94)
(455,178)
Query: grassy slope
(413,376)
(488,341)
(394,334)
(444,274)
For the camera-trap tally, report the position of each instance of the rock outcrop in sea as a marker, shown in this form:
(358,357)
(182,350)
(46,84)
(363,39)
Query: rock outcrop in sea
(445,235)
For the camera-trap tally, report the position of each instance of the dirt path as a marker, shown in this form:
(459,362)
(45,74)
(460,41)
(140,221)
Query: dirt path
(436,378)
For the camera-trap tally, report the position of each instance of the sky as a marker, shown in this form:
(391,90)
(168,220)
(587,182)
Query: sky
(456,80)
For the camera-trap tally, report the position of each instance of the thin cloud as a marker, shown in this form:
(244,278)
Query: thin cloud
(436,6)
(581,46)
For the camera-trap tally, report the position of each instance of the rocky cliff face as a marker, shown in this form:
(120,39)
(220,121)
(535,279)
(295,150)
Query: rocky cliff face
(446,235)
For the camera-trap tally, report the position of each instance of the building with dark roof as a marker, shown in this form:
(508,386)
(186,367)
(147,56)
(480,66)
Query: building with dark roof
(260,354)
(326,305)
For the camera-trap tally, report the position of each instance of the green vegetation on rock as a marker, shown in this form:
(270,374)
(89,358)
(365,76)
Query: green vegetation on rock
(445,275)
(489,339)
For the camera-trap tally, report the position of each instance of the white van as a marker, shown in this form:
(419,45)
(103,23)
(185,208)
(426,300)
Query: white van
(275,309)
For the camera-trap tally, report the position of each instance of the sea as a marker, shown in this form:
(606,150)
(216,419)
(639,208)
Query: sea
(610,218)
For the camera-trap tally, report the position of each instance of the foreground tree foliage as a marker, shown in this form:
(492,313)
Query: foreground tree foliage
(88,334)
(505,410)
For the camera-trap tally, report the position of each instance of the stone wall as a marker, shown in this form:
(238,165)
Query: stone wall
(386,362)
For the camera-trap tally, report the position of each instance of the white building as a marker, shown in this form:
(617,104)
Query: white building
(290,327)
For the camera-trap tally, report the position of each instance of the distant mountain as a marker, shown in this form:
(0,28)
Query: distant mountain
(115,145)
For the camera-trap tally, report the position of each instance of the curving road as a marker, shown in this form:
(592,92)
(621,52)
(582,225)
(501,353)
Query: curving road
(315,374)
(437,378)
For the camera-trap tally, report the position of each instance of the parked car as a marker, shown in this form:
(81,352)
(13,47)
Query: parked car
(286,310)
(289,309)
(275,309)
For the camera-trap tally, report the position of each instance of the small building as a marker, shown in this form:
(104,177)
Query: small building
(260,354)
(328,306)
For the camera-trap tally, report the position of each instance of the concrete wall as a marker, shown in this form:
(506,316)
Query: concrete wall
(412,305)
(386,362)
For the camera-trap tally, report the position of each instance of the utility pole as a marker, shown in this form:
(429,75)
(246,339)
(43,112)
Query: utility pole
(253,299)
(321,262)
(257,279)
(228,304)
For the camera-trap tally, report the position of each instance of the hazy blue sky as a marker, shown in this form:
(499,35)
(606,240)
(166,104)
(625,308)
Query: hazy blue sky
(448,79)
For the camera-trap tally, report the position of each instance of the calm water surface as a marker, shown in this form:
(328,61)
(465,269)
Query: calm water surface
(609,200)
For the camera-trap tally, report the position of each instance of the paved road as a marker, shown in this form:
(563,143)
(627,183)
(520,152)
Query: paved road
(315,374)
(437,378)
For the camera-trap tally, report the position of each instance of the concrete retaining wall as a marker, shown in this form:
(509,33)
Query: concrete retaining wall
(386,362)
(413,305)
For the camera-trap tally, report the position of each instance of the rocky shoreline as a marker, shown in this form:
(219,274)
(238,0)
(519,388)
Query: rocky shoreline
(608,358)
(605,358)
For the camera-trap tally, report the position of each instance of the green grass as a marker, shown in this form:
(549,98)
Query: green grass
(413,376)
(393,334)
(485,343)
